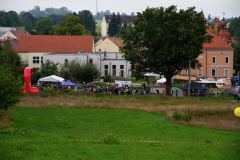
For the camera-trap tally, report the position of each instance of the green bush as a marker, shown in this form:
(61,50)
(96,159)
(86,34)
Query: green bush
(47,92)
(79,72)
(182,115)
(110,138)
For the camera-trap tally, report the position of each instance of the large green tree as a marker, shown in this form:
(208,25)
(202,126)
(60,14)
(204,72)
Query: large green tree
(112,29)
(115,25)
(44,26)
(70,25)
(236,64)
(9,92)
(165,40)
(87,20)
(235,27)
(10,59)
(28,21)
(9,19)
(79,72)
(55,18)
(48,68)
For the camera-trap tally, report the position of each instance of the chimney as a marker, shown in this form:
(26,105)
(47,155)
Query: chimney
(215,25)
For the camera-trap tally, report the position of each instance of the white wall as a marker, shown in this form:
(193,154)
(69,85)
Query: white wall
(99,59)
(117,59)
(8,36)
(27,58)
(82,58)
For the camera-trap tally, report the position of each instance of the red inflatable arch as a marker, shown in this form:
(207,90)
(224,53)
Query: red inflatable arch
(27,82)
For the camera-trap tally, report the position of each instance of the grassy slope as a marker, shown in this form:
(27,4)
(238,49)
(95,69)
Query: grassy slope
(55,133)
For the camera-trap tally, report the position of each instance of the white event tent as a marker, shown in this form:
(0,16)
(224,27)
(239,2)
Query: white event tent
(52,78)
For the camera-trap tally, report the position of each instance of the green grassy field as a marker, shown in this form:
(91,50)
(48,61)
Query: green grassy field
(59,133)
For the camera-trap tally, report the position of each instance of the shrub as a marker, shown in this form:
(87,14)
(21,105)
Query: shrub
(110,138)
(79,72)
(46,92)
(182,115)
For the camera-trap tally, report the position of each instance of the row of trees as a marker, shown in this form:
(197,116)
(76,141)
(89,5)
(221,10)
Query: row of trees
(73,71)
(115,25)
(76,24)
(37,12)
(52,24)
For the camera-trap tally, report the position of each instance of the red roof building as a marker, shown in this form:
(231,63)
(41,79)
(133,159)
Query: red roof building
(220,40)
(216,61)
(55,44)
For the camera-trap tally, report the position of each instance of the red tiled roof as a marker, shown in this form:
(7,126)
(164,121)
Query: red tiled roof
(55,44)
(219,41)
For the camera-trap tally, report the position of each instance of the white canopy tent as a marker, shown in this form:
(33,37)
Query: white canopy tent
(123,83)
(151,75)
(162,80)
(52,78)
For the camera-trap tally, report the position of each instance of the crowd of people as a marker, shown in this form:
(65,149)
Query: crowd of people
(113,89)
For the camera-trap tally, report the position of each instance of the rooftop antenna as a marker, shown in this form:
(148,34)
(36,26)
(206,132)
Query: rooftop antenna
(223,14)
(96,7)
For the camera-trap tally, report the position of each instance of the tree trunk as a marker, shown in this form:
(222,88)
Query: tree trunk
(6,117)
(169,85)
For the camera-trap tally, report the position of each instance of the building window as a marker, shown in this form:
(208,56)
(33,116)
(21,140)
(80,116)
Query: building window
(226,71)
(114,70)
(105,70)
(41,59)
(121,70)
(35,60)
(91,61)
(121,73)
(213,60)
(213,72)
(226,60)
(199,72)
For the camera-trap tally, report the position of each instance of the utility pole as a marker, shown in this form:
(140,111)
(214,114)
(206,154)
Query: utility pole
(96,7)
(189,78)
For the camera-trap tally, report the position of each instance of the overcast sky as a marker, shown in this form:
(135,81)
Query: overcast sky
(213,7)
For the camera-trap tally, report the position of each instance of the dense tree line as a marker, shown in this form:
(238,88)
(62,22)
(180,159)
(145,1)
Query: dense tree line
(79,72)
(115,25)
(37,12)
(73,70)
(9,19)
(70,25)
(52,24)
